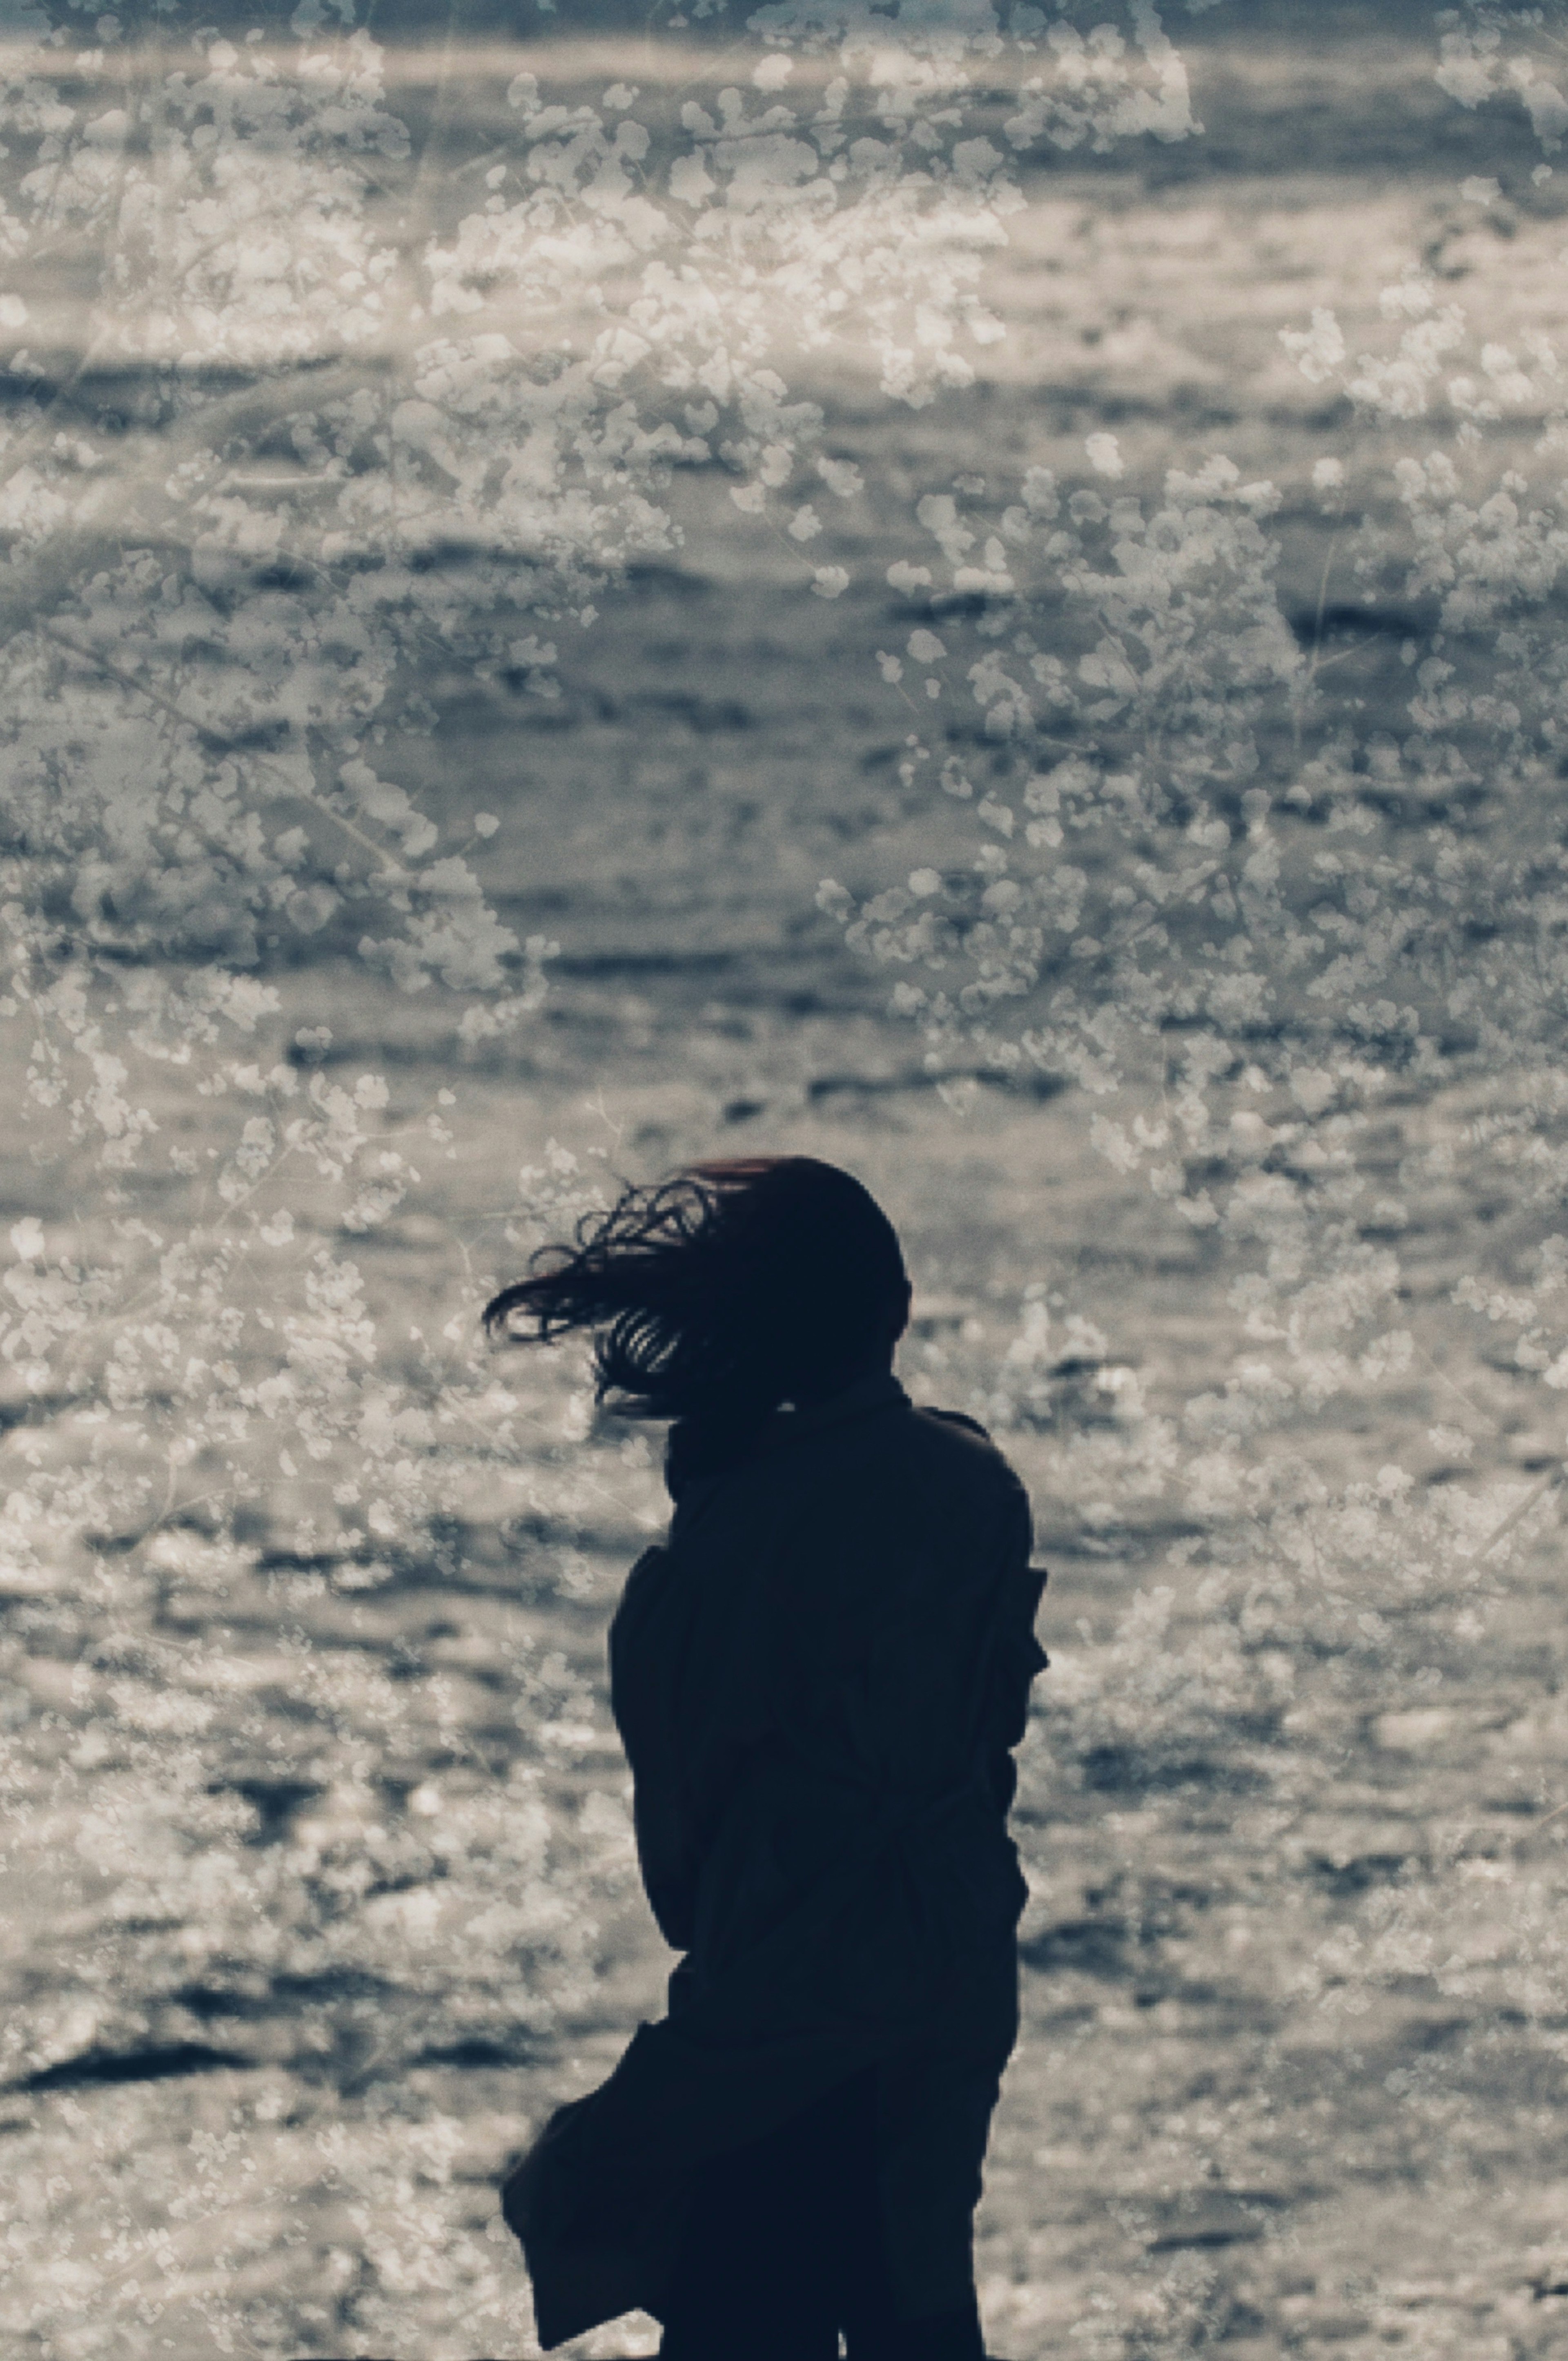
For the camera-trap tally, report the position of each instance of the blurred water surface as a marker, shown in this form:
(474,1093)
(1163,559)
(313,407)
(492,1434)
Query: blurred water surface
(1294,2012)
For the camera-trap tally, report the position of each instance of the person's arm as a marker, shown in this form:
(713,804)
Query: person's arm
(1017,1655)
(668,1860)
(640,1641)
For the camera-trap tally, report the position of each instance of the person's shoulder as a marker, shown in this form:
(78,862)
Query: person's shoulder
(957,1417)
(963,1444)
(953,1432)
(955,1480)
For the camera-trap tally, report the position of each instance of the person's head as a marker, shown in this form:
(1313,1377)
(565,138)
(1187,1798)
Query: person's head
(738,1284)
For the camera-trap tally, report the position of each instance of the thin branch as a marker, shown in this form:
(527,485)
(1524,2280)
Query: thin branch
(218,743)
(1553,1476)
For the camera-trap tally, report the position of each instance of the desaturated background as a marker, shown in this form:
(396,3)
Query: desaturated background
(1290,2079)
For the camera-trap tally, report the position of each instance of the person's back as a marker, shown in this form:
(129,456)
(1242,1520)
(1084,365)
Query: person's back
(818,1677)
(837,1633)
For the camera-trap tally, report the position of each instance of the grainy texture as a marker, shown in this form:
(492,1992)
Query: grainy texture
(1290,2078)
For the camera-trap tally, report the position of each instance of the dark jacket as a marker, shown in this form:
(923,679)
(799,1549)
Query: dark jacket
(819,1678)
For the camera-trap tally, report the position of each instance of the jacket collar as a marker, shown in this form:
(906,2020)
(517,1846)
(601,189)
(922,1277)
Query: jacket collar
(877,1391)
(781,1428)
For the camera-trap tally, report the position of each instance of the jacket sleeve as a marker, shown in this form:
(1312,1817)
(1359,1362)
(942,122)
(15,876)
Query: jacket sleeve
(667,1851)
(669,1864)
(1017,1655)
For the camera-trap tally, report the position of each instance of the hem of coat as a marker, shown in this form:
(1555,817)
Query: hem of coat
(577,2289)
(579,2284)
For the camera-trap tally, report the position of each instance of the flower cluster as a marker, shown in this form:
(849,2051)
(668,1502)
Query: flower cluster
(1158,901)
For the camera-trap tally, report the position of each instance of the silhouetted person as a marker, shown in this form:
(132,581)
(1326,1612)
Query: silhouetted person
(819,1678)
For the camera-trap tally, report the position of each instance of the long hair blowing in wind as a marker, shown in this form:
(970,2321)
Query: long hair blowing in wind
(738,1283)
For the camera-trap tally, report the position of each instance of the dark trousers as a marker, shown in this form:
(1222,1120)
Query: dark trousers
(785,2249)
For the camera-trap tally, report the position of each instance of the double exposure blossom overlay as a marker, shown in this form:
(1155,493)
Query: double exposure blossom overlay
(304,411)
(1241,920)
(328,417)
